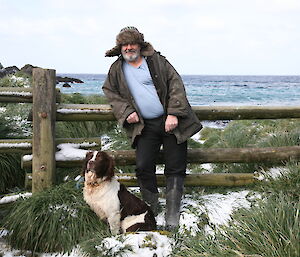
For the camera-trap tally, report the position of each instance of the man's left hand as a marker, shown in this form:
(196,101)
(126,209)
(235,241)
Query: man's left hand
(171,123)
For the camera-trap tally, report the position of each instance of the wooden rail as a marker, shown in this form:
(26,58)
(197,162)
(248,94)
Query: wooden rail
(24,146)
(208,155)
(20,95)
(102,112)
(191,180)
(15,95)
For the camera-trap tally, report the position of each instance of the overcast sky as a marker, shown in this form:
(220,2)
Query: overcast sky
(205,37)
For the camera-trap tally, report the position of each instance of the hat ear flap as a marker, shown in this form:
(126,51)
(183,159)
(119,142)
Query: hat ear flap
(113,52)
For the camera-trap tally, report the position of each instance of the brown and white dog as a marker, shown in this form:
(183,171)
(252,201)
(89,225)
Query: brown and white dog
(110,200)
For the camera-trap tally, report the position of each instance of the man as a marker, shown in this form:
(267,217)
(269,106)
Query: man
(148,99)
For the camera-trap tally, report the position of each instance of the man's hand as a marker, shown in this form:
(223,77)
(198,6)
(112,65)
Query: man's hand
(171,123)
(133,118)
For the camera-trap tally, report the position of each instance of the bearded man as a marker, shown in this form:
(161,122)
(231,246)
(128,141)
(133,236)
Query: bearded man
(148,99)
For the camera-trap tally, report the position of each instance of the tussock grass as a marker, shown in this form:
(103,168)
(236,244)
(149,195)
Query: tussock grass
(52,221)
(254,133)
(282,138)
(288,182)
(270,229)
(11,174)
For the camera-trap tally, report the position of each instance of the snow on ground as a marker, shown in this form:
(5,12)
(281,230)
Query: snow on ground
(275,172)
(140,244)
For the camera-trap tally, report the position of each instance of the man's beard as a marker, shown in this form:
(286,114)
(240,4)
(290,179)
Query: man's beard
(131,57)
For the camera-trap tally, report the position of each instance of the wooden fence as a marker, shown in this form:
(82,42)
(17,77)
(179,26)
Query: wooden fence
(47,110)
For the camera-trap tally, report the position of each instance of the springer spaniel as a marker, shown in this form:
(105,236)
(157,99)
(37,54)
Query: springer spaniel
(110,200)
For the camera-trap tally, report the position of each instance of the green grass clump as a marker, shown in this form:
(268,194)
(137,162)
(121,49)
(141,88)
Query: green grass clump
(253,133)
(11,174)
(52,221)
(270,229)
(273,228)
(288,182)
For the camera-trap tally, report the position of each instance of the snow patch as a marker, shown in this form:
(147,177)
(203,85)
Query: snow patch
(65,110)
(15,145)
(68,152)
(16,93)
(138,244)
(13,198)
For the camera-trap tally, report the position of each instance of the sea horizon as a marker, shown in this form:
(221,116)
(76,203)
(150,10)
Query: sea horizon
(214,89)
(237,75)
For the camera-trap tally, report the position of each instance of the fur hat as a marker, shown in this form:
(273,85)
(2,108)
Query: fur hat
(130,35)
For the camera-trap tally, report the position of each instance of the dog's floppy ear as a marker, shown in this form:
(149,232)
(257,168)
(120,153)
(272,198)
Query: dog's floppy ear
(108,165)
(111,167)
(87,158)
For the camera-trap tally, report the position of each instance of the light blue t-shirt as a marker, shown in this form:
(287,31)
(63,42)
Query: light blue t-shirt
(143,90)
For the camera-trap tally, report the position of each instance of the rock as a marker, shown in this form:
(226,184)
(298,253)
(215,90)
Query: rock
(66,85)
(68,80)
(2,73)
(27,68)
(8,70)
(11,70)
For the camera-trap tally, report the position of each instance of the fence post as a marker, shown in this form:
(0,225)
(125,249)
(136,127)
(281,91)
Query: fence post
(44,116)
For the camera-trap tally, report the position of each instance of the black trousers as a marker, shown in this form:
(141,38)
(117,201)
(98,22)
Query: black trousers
(147,148)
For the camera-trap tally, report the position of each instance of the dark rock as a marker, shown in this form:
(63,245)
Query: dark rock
(66,85)
(8,70)
(27,68)
(68,80)
(2,73)
(11,70)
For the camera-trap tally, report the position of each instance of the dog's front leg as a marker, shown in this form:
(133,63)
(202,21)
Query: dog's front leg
(114,223)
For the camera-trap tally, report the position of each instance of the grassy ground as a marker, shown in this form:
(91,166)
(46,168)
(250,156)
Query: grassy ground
(270,228)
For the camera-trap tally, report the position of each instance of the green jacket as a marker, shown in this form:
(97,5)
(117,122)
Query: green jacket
(170,90)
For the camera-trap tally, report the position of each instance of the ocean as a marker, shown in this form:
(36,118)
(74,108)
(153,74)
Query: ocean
(215,90)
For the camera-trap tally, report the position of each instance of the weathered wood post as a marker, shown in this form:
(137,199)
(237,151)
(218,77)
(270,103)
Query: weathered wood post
(44,116)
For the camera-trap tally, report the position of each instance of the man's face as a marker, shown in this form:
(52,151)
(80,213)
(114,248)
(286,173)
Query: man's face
(131,52)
